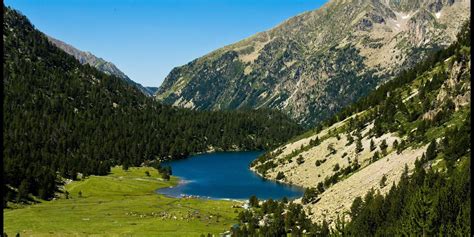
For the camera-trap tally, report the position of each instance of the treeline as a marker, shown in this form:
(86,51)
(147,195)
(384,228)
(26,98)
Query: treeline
(388,109)
(277,218)
(427,203)
(62,118)
(379,95)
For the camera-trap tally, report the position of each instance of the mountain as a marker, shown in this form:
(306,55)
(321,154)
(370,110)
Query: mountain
(152,89)
(63,117)
(418,121)
(312,65)
(395,163)
(99,63)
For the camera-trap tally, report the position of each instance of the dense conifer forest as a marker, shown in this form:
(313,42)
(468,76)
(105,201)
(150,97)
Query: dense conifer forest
(62,118)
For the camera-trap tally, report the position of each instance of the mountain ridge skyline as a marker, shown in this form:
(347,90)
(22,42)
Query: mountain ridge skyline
(315,63)
(150,41)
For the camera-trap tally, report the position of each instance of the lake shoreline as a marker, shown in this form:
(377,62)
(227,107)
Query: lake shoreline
(225,175)
(124,202)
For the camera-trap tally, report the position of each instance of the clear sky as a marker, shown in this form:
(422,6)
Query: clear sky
(146,39)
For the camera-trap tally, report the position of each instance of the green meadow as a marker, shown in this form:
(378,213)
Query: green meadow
(123,203)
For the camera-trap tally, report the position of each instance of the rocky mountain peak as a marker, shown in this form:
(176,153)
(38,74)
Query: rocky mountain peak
(313,64)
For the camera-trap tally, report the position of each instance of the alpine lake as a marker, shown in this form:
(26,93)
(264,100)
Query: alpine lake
(224,175)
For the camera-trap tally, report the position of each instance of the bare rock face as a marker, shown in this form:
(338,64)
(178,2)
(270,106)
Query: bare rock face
(315,63)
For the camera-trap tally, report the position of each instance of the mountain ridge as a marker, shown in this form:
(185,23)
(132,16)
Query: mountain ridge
(317,62)
(86,57)
(397,125)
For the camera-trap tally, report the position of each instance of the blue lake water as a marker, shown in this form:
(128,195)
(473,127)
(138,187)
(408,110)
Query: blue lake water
(224,175)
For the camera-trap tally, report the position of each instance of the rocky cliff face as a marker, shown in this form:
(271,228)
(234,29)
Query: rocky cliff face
(99,63)
(315,63)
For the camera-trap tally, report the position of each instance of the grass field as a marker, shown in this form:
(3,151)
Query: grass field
(123,203)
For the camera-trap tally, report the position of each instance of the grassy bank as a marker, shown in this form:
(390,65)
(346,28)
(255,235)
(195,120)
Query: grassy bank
(123,203)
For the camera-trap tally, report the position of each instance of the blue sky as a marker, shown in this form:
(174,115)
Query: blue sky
(146,39)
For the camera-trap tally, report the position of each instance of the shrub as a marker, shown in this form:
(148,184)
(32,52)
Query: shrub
(253,201)
(300,160)
(376,156)
(319,162)
(331,149)
(280,175)
(310,195)
(372,145)
(383,146)
(383,181)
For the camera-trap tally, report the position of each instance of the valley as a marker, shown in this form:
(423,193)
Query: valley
(348,120)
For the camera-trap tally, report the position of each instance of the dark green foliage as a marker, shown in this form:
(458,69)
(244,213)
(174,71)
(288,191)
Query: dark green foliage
(300,160)
(431,151)
(356,207)
(375,157)
(62,118)
(280,176)
(310,195)
(314,142)
(401,147)
(383,181)
(427,208)
(429,203)
(266,157)
(350,139)
(340,173)
(372,145)
(275,223)
(319,162)
(395,144)
(165,172)
(383,146)
(331,149)
(262,168)
(456,142)
(359,146)
(320,187)
(23,191)
(165,176)
(125,165)
(253,201)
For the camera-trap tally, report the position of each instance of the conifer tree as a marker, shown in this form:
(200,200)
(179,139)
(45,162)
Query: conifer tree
(383,147)
(421,214)
(431,151)
(372,145)
(359,146)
